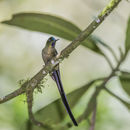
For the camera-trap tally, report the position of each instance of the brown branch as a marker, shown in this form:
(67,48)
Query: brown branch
(29,94)
(108,61)
(12,95)
(93,120)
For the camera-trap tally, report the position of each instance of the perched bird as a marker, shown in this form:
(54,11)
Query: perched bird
(49,52)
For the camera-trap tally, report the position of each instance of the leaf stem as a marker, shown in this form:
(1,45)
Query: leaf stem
(108,61)
(117,97)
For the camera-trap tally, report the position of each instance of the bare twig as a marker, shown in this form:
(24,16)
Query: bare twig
(117,97)
(12,95)
(29,94)
(107,47)
(108,61)
(113,53)
(93,120)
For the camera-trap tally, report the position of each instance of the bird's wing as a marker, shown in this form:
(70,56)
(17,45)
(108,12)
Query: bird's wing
(56,77)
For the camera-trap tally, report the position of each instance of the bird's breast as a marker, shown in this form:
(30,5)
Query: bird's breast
(48,54)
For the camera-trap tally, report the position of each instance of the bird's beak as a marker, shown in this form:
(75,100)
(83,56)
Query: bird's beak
(56,40)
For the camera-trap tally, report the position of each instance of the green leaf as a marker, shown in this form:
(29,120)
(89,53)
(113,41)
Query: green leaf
(125,82)
(52,25)
(127,40)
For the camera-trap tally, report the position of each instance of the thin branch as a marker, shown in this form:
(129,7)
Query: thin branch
(108,61)
(29,94)
(107,47)
(113,53)
(117,97)
(12,95)
(98,89)
(93,120)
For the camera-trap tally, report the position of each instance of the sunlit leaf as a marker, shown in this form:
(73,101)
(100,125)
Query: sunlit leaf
(127,40)
(51,25)
(125,82)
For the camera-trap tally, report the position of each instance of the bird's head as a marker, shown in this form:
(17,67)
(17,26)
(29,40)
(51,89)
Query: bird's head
(51,42)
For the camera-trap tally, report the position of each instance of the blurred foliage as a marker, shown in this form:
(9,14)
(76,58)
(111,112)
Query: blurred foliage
(55,111)
(52,25)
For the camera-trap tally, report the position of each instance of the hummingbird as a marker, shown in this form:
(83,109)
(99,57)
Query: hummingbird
(49,52)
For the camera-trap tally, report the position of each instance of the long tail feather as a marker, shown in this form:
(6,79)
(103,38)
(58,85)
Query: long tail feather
(56,77)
